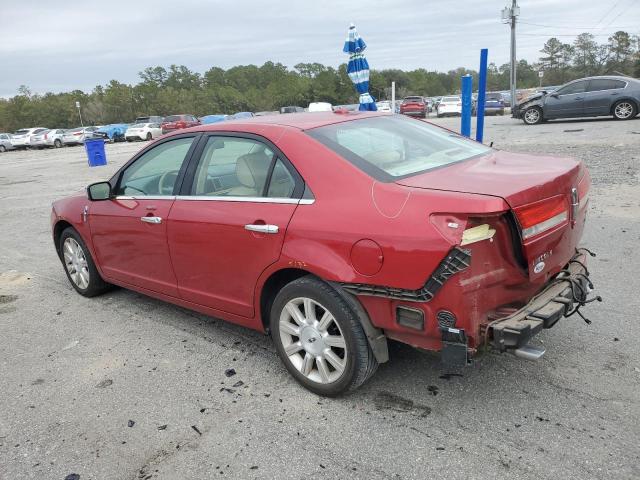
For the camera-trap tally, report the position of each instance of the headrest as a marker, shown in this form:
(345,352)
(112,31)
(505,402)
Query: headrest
(252,168)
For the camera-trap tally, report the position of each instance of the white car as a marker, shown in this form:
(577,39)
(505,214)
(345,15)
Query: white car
(384,106)
(451,105)
(48,138)
(5,142)
(320,107)
(22,138)
(143,131)
(77,136)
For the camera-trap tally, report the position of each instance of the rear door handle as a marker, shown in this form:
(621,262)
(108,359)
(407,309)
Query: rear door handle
(261,228)
(151,219)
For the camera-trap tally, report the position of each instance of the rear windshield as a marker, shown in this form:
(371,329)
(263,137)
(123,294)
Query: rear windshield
(494,96)
(173,118)
(451,99)
(142,119)
(389,148)
(79,129)
(21,132)
(413,99)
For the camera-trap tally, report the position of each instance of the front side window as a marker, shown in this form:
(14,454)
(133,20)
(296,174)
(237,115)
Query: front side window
(388,148)
(233,167)
(577,87)
(156,171)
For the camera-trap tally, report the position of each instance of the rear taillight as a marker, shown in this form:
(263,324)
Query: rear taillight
(538,217)
(78,133)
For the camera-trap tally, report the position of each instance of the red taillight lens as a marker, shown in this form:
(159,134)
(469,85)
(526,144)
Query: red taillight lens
(78,133)
(541,216)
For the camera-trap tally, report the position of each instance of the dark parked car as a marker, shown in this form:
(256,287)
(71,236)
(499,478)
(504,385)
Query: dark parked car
(587,97)
(291,109)
(493,104)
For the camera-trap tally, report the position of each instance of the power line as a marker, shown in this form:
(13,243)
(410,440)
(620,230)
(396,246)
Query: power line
(567,27)
(608,12)
(567,34)
(624,10)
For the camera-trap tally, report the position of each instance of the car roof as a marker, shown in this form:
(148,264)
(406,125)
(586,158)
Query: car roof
(302,121)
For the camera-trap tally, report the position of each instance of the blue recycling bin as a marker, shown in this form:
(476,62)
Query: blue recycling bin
(95,152)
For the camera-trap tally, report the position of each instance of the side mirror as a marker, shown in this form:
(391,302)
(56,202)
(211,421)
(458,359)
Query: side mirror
(555,95)
(99,191)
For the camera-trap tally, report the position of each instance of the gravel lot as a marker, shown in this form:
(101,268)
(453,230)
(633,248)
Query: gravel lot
(127,387)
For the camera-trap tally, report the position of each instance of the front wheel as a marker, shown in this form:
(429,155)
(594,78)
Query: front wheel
(532,116)
(3,149)
(624,110)
(319,338)
(57,143)
(79,266)
(149,136)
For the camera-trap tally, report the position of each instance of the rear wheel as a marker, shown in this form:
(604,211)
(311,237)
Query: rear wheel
(149,136)
(624,110)
(79,266)
(57,143)
(3,149)
(319,338)
(532,116)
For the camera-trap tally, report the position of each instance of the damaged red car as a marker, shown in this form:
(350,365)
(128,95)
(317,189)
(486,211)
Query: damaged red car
(334,232)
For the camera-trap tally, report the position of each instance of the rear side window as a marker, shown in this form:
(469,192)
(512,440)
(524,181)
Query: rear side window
(605,84)
(232,167)
(282,183)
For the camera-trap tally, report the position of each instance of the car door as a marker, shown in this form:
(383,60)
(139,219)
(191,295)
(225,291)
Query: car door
(129,232)
(566,102)
(601,95)
(229,223)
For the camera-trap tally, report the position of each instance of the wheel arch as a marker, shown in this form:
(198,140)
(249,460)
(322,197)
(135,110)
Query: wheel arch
(278,279)
(59,227)
(624,99)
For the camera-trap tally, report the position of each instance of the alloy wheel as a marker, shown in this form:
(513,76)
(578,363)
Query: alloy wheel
(75,262)
(623,110)
(312,340)
(532,116)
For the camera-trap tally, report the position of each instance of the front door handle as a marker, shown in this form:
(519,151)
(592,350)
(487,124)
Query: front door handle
(151,219)
(261,228)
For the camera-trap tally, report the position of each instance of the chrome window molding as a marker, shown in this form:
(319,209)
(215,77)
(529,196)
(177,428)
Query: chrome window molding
(293,201)
(304,201)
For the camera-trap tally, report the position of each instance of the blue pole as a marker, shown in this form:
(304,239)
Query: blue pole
(482,87)
(465,121)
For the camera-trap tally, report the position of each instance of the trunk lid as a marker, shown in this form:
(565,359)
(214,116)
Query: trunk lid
(524,182)
(517,178)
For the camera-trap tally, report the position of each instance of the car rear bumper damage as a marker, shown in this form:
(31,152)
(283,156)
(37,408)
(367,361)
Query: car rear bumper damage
(562,297)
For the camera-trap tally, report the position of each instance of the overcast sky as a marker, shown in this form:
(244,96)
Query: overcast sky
(59,46)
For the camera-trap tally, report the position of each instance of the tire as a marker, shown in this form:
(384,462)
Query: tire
(323,368)
(88,282)
(532,116)
(624,110)
(3,149)
(57,143)
(149,136)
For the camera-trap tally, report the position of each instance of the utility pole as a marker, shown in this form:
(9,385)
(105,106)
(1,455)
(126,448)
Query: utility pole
(79,113)
(509,15)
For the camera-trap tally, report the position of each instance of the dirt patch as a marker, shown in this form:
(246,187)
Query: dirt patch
(389,401)
(13,277)
(7,299)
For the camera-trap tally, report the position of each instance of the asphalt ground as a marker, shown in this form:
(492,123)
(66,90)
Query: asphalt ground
(126,387)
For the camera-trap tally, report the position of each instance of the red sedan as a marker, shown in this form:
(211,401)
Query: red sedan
(335,232)
(178,122)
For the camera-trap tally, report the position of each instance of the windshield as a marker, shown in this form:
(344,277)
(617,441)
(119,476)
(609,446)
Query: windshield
(389,148)
(21,132)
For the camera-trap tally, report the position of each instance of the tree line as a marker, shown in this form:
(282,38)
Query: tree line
(177,89)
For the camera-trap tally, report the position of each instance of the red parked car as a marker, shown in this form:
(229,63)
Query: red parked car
(178,122)
(335,232)
(414,106)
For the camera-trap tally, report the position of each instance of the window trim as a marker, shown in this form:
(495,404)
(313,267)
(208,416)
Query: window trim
(298,191)
(606,89)
(586,88)
(117,177)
